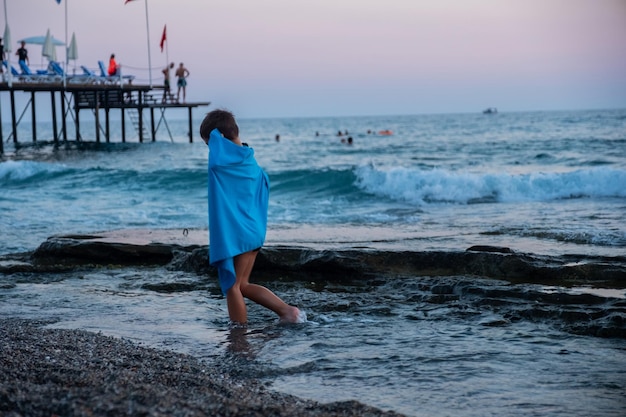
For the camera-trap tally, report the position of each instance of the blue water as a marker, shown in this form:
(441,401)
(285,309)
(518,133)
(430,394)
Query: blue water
(545,181)
(549,183)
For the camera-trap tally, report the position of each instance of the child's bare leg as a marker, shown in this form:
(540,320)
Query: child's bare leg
(237,311)
(259,294)
(234,296)
(268,299)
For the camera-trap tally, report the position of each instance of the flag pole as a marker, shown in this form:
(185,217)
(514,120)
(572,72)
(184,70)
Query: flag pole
(167,52)
(167,47)
(148,38)
(6,23)
(66,49)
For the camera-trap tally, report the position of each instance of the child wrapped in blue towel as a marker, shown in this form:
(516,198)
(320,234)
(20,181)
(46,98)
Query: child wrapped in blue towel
(238,201)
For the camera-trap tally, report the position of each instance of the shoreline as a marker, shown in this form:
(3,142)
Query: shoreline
(47,372)
(72,372)
(584,295)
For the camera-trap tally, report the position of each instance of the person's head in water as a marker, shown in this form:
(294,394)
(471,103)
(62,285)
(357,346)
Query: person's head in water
(223,120)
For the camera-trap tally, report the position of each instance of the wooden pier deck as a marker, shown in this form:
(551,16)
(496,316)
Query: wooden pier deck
(100,96)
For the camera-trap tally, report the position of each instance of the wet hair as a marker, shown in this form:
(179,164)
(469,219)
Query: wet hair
(223,120)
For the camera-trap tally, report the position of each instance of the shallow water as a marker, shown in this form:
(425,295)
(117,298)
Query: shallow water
(420,346)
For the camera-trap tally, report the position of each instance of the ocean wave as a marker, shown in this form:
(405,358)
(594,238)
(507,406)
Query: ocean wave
(158,181)
(420,186)
(25,172)
(12,172)
(609,238)
(314,182)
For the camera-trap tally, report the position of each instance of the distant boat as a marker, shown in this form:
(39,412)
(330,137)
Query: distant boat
(490,110)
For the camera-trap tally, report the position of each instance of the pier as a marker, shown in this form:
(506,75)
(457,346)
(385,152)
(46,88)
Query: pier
(99,95)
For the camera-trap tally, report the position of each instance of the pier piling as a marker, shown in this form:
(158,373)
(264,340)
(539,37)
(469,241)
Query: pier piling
(94,96)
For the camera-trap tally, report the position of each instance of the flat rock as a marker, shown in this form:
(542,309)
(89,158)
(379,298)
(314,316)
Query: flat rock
(187,250)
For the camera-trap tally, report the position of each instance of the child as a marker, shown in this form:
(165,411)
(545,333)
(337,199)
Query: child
(238,200)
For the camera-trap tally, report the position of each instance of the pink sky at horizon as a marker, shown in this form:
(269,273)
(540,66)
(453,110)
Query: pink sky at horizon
(290,58)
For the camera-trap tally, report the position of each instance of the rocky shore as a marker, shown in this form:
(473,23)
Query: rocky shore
(54,372)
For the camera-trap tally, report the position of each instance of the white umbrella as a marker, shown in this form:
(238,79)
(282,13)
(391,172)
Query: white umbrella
(7,39)
(7,49)
(49,50)
(72,51)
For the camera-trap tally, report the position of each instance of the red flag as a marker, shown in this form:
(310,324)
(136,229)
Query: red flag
(163,37)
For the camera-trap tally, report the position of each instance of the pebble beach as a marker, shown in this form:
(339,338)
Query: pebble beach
(57,372)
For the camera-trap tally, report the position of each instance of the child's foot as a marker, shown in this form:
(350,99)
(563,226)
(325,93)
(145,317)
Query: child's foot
(237,325)
(293,315)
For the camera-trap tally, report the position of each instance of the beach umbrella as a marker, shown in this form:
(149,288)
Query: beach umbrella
(72,51)
(40,40)
(7,39)
(7,49)
(48,49)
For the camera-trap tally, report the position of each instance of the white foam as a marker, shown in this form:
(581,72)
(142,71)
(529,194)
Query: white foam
(301,317)
(438,185)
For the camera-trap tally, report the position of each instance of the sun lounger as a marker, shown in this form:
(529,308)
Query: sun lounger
(113,78)
(39,76)
(14,72)
(25,69)
(89,76)
(56,68)
(103,70)
(87,71)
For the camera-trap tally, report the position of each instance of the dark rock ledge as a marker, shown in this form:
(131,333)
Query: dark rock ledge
(185,252)
(586,314)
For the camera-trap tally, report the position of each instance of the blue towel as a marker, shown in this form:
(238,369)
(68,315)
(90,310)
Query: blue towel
(238,199)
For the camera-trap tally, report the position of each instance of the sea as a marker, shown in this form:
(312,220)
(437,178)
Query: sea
(547,183)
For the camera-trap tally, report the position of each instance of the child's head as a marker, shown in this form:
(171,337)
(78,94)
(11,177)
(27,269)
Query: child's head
(223,120)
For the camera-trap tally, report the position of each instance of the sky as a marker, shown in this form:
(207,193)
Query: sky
(318,58)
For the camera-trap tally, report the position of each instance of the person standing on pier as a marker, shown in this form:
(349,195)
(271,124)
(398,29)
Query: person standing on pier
(22,54)
(182,73)
(238,203)
(167,91)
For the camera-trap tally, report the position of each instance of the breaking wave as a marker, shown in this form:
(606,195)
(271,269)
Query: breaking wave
(420,186)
